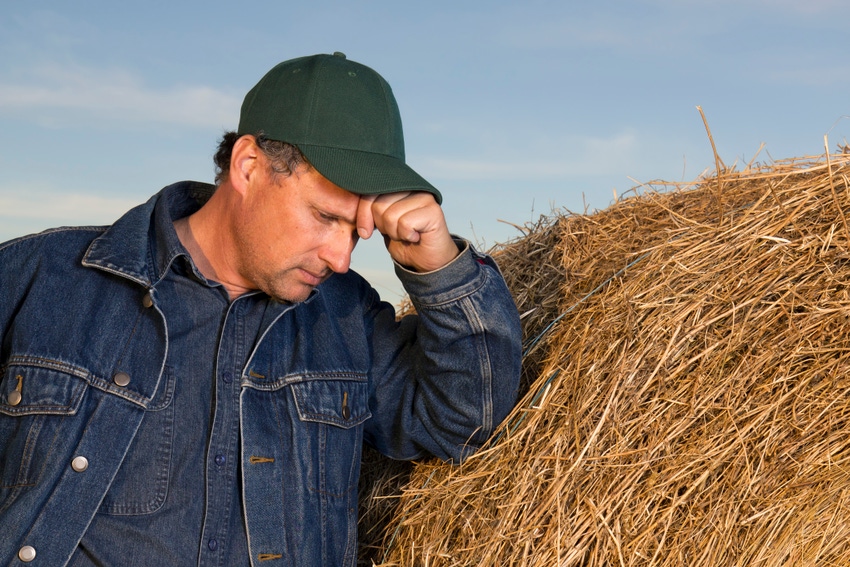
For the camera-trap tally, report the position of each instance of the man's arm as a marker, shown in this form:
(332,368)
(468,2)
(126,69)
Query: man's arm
(447,376)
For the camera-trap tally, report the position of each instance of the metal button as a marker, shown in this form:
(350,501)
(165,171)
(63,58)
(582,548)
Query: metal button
(147,300)
(220,460)
(15,397)
(26,553)
(80,463)
(121,379)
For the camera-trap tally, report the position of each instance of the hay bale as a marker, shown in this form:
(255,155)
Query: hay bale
(687,362)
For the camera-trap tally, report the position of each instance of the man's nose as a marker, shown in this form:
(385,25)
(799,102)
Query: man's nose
(337,252)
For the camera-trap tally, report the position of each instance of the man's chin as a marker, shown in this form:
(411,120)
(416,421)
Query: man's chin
(292,294)
(292,286)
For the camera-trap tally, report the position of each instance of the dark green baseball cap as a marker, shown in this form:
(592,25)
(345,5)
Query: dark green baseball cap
(342,116)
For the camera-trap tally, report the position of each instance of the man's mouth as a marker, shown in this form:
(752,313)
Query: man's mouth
(313,279)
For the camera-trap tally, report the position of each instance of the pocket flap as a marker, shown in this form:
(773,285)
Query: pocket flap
(32,389)
(343,403)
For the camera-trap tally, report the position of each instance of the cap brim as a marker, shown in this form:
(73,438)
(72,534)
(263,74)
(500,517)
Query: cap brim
(366,173)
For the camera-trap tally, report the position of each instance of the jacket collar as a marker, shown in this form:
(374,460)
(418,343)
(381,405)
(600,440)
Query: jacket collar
(142,244)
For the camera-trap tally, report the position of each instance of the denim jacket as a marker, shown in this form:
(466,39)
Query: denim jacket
(82,362)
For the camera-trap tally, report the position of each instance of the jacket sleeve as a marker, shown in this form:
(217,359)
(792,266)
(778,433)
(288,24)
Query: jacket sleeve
(445,377)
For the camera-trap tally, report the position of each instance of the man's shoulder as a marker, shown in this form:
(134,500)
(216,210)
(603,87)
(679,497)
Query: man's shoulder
(63,238)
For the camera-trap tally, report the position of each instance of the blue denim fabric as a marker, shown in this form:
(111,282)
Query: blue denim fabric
(91,364)
(181,441)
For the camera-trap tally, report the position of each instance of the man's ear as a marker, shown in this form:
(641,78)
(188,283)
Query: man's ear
(244,161)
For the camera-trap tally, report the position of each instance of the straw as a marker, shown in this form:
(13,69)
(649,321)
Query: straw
(685,389)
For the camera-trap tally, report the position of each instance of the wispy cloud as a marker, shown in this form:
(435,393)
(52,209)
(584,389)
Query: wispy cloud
(815,75)
(567,157)
(74,208)
(774,6)
(25,210)
(61,94)
(653,27)
(562,32)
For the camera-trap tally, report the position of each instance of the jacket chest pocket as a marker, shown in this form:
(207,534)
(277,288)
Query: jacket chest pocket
(141,484)
(332,413)
(36,405)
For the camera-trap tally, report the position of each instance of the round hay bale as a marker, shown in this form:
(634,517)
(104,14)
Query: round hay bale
(687,403)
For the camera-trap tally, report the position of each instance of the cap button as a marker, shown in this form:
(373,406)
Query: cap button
(339,54)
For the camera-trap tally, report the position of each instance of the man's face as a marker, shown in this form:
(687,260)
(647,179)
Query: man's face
(293,232)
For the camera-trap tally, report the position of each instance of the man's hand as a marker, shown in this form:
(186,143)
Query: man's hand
(413,226)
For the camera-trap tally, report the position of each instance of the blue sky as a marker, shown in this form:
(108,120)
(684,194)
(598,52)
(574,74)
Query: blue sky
(510,108)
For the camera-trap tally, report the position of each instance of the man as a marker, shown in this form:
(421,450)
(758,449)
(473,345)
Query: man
(193,384)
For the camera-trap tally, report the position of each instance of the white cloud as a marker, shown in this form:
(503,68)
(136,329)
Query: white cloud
(25,210)
(566,157)
(784,6)
(58,94)
(804,72)
(74,208)
(656,26)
